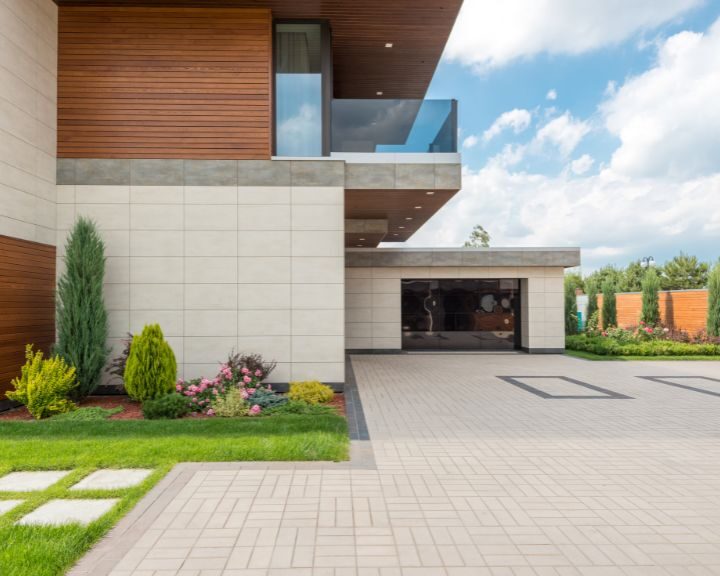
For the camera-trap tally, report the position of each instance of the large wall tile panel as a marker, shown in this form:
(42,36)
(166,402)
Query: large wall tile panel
(162,82)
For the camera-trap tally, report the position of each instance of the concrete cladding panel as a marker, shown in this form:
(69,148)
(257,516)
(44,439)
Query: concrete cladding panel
(227,256)
(373,302)
(28,112)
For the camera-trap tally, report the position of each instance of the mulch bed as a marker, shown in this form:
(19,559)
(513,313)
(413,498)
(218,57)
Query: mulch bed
(131,409)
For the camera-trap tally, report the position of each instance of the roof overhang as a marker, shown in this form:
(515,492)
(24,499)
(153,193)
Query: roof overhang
(462,257)
(364,63)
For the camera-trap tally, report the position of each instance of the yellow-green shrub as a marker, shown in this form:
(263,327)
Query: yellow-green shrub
(151,367)
(312,392)
(44,385)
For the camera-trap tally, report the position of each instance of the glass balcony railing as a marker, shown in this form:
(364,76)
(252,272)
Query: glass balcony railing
(394,126)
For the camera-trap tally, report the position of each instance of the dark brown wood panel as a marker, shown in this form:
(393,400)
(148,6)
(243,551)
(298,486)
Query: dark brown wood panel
(27,303)
(363,66)
(161,82)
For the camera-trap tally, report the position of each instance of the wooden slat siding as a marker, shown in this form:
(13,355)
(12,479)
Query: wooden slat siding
(138,82)
(27,303)
(679,309)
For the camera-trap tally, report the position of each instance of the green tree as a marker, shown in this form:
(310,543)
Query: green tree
(82,321)
(609,305)
(592,292)
(151,366)
(684,272)
(600,276)
(713,318)
(479,238)
(571,311)
(632,277)
(650,300)
(575,280)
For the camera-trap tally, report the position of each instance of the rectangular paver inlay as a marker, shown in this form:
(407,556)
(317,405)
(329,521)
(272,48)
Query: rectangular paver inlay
(30,481)
(561,388)
(7,505)
(57,512)
(112,479)
(701,384)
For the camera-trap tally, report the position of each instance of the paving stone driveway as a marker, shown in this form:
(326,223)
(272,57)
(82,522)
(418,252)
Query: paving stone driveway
(472,475)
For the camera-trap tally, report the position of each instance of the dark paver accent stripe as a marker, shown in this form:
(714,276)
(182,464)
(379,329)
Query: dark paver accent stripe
(665,380)
(606,394)
(357,425)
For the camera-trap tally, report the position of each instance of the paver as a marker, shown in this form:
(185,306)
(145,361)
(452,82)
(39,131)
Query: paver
(7,505)
(112,479)
(58,512)
(471,476)
(30,481)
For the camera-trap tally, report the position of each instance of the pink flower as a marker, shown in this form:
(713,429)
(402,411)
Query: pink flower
(244,370)
(258,373)
(254,410)
(244,394)
(210,412)
(247,379)
(178,387)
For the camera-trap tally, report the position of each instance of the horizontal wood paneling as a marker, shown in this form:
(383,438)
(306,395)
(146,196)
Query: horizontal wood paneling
(164,83)
(681,309)
(27,303)
(418,30)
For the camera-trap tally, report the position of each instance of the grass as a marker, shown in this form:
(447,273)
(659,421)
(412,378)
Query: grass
(590,356)
(84,446)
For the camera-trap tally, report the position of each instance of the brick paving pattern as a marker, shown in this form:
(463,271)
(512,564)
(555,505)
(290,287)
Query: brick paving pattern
(472,476)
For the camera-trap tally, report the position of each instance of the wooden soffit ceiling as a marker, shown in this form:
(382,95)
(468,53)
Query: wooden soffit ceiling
(363,66)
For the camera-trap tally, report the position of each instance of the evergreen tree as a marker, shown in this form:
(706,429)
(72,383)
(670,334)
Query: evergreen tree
(650,301)
(571,316)
(632,278)
(713,318)
(684,272)
(609,306)
(82,322)
(592,292)
(151,367)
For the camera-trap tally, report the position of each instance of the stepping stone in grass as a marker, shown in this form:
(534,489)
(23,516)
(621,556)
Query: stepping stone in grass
(30,481)
(7,505)
(112,479)
(58,512)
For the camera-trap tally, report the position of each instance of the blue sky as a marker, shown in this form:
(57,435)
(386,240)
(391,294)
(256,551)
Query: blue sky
(595,108)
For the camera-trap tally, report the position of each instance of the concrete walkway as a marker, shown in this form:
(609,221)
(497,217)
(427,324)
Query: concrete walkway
(597,473)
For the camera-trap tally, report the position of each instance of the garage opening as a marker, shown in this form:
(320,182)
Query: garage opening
(461,314)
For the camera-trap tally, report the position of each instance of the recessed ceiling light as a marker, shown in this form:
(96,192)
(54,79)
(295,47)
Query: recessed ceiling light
(401,227)
(379,93)
(408,218)
(396,234)
(388,44)
(361,239)
(429,192)
(359,245)
(418,207)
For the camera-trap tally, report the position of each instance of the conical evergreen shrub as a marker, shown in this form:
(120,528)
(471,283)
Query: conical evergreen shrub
(571,311)
(82,321)
(592,294)
(650,300)
(713,318)
(151,367)
(609,305)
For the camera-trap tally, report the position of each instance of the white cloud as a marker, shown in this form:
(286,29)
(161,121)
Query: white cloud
(614,219)
(582,164)
(517,119)
(668,118)
(551,95)
(470,141)
(563,132)
(490,34)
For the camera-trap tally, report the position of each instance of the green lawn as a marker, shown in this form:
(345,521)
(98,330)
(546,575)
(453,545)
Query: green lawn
(159,444)
(591,356)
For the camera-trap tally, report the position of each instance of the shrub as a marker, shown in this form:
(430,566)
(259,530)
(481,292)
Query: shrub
(91,413)
(200,393)
(609,307)
(44,385)
(713,319)
(592,305)
(266,398)
(82,322)
(151,367)
(571,311)
(313,392)
(610,347)
(650,301)
(231,405)
(251,365)
(593,323)
(300,407)
(168,407)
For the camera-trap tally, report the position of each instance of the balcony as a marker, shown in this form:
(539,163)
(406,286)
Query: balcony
(393,126)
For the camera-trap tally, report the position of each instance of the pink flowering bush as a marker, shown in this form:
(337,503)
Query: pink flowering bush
(200,392)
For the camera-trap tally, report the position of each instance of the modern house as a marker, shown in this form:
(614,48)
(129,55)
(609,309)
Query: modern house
(243,160)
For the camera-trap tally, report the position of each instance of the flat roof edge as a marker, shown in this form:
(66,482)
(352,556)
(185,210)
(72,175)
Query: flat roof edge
(462,257)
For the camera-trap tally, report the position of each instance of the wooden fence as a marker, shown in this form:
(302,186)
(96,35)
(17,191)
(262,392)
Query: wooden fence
(679,309)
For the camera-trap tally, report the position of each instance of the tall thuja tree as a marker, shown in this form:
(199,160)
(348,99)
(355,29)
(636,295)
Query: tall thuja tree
(571,311)
(592,301)
(609,306)
(713,318)
(82,321)
(650,300)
